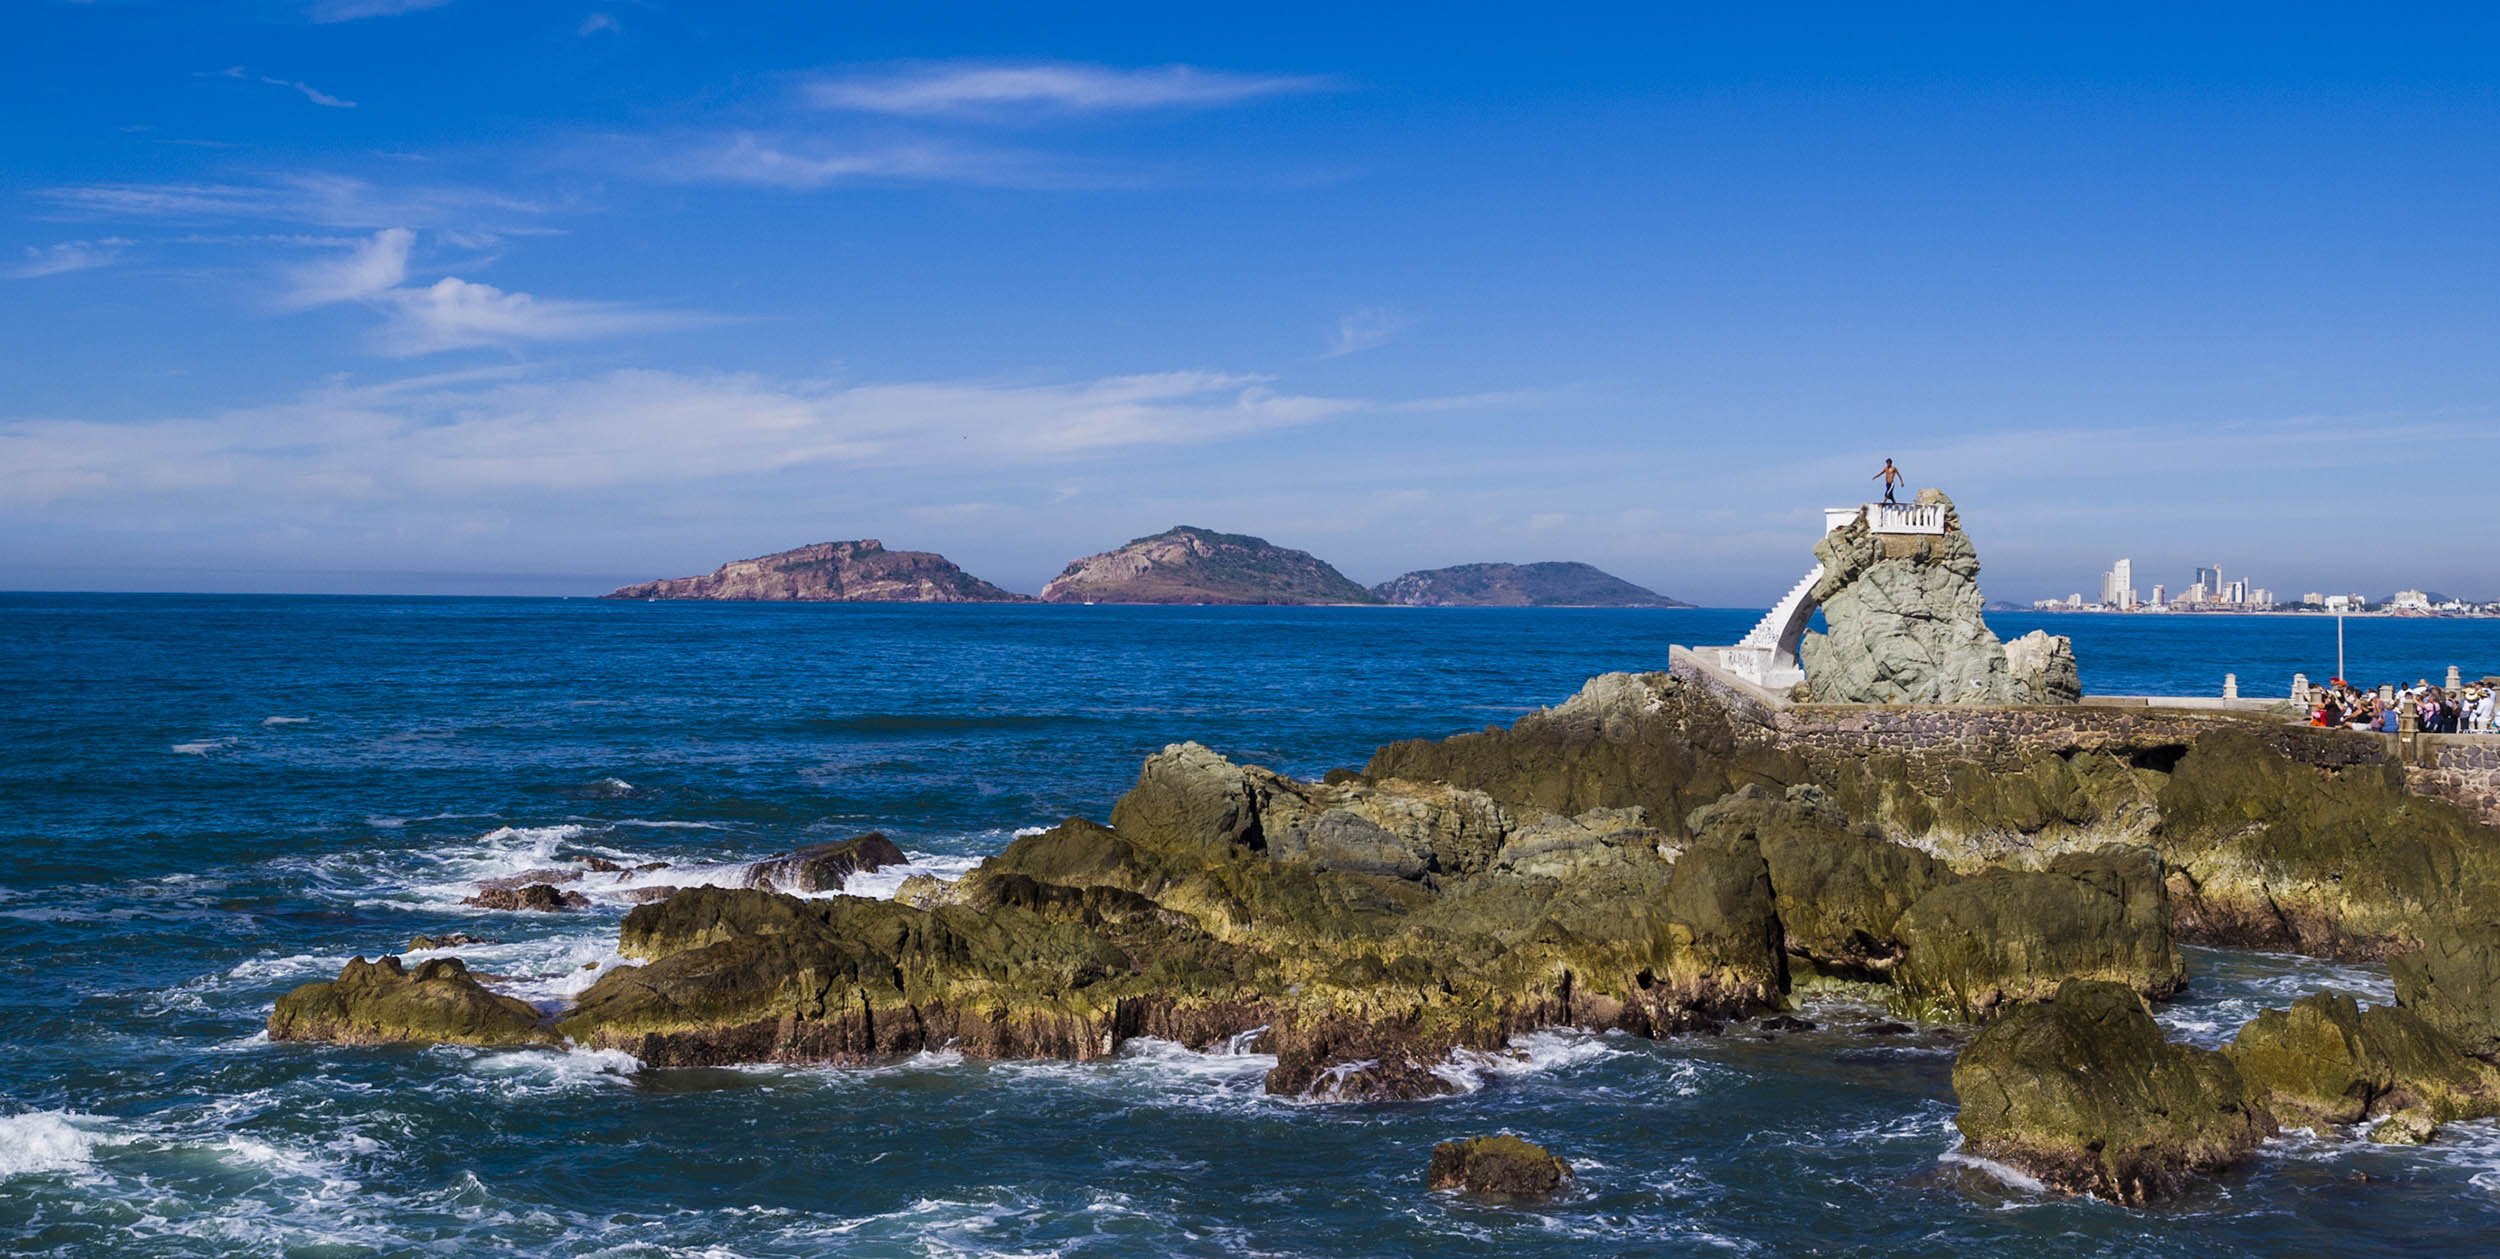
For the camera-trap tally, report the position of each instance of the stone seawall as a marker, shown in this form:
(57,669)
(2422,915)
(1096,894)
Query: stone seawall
(2462,769)
(2011,736)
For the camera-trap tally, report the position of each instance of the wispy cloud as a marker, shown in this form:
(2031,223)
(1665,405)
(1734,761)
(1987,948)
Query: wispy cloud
(474,435)
(598,22)
(310,93)
(778,162)
(988,87)
(69,255)
(367,270)
(352,10)
(1364,329)
(453,313)
(319,199)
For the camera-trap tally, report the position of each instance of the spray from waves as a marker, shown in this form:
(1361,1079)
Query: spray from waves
(2233,987)
(41,1141)
(2010,1177)
(284,721)
(201,747)
(1531,1053)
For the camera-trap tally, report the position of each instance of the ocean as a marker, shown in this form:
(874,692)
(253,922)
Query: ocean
(208,800)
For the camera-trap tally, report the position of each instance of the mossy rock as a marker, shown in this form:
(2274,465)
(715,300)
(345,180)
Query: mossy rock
(379,1003)
(2327,1061)
(2453,982)
(2083,1093)
(2009,936)
(1502,1167)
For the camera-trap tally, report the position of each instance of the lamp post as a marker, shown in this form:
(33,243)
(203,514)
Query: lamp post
(2339,649)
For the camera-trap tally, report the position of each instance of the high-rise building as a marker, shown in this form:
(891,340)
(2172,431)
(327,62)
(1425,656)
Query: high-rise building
(2118,585)
(2160,594)
(2210,577)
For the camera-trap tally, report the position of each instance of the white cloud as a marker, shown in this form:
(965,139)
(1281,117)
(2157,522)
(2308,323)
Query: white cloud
(369,269)
(959,87)
(310,93)
(69,255)
(453,314)
(481,435)
(323,200)
(351,10)
(1359,330)
(598,22)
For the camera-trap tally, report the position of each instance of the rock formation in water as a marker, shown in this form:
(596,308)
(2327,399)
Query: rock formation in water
(1903,625)
(1656,855)
(2326,1062)
(1549,585)
(1185,564)
(831,572)
(380,1003)
(1502,1167)
(2083,1093)
(825,867)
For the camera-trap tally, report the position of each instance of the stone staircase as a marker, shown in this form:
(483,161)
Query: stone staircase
(1766,633)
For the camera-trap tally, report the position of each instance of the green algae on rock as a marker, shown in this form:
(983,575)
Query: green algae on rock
(2083,1093)
(2328,1062)
(376,1003)
(1502,1167)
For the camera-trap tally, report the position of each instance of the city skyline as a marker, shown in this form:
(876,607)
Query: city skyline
(297,306)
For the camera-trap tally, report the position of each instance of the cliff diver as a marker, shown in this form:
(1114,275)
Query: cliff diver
(1892,479)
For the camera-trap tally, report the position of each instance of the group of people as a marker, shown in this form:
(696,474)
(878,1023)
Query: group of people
(2435,709)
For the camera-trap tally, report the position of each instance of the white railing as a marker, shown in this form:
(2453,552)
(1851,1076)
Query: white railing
(1888,517)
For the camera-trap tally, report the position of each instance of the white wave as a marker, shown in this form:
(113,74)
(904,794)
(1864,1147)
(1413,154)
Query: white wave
(2010,1177)
(284,1162)
(284,721)
(47,1141)
(535,1070)
(658,825)
(1468,1070)
(201,747)
(1028,832)
(884,883)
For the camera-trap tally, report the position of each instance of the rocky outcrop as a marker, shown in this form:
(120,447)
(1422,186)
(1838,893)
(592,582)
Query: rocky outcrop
(831,572)
(1998,937)
(2337,860)
(2452,980)
(1904,625)
(2327,1062)
(536,897)
(1548,585)
(2083,1094)
(1186,564)
(376,1003)
(1503,1167)
(825,867)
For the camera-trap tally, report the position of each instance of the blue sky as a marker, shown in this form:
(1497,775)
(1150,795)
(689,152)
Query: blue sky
(386,295)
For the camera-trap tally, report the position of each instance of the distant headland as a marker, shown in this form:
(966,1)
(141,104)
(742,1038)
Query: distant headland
(1185,564)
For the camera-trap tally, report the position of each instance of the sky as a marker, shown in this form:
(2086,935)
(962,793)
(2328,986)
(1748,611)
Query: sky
(454,296)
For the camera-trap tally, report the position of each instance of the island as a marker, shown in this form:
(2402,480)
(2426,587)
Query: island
(1187,564)
(831,572)
(1547,585)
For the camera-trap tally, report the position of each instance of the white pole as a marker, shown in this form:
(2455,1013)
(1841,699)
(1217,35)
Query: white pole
(2339,648)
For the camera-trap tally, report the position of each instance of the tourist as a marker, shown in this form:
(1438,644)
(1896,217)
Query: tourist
(1892,479)
(2483,712)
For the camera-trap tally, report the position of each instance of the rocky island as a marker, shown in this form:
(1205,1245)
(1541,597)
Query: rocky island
(1186,564)
(1546,585)
(831,572)
(1662,854)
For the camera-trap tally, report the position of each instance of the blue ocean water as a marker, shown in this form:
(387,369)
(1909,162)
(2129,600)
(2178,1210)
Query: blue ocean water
(206,801)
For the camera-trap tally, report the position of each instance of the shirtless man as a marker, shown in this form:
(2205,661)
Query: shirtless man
(1892,479)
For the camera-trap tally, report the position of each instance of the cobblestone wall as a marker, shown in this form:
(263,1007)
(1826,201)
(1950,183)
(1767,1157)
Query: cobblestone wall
(2461,769)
